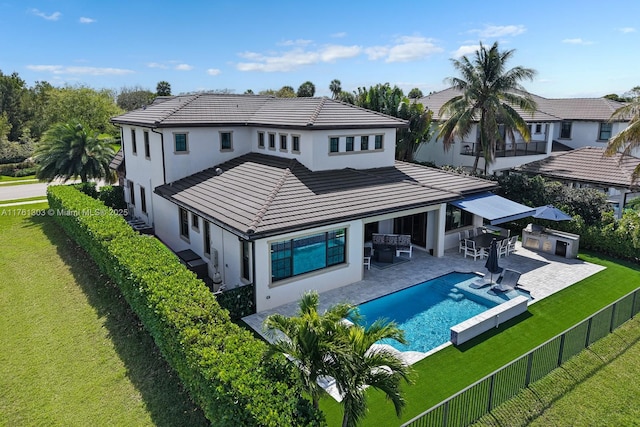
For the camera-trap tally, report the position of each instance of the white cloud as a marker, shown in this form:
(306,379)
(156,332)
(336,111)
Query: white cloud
(465,50)
(157,65)
(339,35)
(184,67)
(85,20)
(297,42)
(53,17)
(93,71)
(627,30)
(376,52)
(577,41)
(411,48)
(213,71)
(494,31)
(295,58)
(332,52)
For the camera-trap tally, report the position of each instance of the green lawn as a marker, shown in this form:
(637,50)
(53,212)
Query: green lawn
(73,354)
(450,370)
(597,387)
(27,199)
(10,180)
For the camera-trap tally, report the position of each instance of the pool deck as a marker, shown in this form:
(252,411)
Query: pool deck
(542,275)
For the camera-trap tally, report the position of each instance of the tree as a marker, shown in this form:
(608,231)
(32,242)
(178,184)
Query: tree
(629,139)
(326,345)
(12,103)
(420,129)
(347,97)
(380,368)
(310,339)
(82,104)
(415,93)
(132,98)
(335,87)
(163,88)
(69,150)
(286,92)
(307,89)
(248,92)
(489,94)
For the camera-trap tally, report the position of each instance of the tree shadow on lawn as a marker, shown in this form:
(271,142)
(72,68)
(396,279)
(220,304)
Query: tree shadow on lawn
(164,396)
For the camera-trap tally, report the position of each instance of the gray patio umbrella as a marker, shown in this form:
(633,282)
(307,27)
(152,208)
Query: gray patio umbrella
(492,261)
(552,213)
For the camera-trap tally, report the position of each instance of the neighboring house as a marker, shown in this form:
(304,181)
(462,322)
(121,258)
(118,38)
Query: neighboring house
(281,194)
(556,125)
(588,167)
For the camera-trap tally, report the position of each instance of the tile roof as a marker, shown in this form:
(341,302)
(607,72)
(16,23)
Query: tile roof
(117,160)
(263,195)
(255,110)
(593,109)
(587,164)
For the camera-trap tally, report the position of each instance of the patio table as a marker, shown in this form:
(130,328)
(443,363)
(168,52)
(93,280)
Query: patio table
(484,240)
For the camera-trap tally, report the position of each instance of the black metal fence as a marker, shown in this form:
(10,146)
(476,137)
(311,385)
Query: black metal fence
(511,150)
(473,402)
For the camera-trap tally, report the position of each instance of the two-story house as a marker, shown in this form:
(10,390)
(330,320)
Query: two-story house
(282,194)
(556,125)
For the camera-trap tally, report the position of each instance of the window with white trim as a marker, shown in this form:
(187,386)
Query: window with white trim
(295,143)
(143,200)
(147,149)
(184,223)
(378,142)
(604,133)
(260,139)
(283,142)
(180,143)
(334,144)
(349,143)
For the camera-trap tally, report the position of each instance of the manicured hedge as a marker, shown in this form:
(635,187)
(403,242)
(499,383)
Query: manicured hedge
(221,364)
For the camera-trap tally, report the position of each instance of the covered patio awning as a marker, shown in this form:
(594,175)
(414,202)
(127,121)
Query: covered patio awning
(495,209)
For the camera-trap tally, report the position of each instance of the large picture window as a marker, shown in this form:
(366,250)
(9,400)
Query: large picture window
(457,218)
(309,253)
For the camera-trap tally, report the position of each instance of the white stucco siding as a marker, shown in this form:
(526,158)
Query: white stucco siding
(203,149)
(144,171)
(356,159)
(270,295)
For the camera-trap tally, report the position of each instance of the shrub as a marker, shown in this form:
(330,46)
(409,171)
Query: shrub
(113,197)
(238,301)
(88,188)
(219,363)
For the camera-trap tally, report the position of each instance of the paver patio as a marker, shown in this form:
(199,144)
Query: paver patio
(542,275)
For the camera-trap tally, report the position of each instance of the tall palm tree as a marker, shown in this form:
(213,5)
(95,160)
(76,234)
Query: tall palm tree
(489,94)
(69,150)
(629,139)
(377,367)
(335,87)
(309,338)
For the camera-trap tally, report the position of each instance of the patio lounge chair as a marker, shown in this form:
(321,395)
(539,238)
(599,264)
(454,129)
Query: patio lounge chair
(367,257)
(511,247)
(488,279)
(403,245)
(509,281)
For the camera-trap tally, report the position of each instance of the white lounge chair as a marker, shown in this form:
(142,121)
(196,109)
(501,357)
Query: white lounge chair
(403,245)
(511,246)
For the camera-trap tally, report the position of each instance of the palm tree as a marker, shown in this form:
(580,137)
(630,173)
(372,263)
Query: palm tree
(629,139)
(377,367)
(489,94)
(335,87)
(70,150)
(310,340)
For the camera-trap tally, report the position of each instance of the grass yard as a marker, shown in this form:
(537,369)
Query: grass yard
(17,180)
(452,369)
(73,354)
(597,387)
(26,199)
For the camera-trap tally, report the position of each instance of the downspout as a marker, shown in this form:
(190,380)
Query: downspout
(253,275)
(164,169)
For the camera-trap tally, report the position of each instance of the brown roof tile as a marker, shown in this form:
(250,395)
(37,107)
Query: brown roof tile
(264,195)
(587,164)
(240,110)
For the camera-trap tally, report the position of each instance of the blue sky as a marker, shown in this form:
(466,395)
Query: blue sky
(579,48)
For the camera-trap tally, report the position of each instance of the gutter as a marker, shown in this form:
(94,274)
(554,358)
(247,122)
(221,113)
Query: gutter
(164,169)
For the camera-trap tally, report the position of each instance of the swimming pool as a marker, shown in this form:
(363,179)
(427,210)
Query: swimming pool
(428,310)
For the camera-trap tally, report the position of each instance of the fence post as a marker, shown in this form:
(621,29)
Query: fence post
(613,316)
(489,405)
(586,343)
(561,352)
(527,379)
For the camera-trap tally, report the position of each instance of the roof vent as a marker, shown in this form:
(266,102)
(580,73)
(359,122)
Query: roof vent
(218,171)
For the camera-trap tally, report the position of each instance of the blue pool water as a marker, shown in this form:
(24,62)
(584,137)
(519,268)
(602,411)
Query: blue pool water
(427,311)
